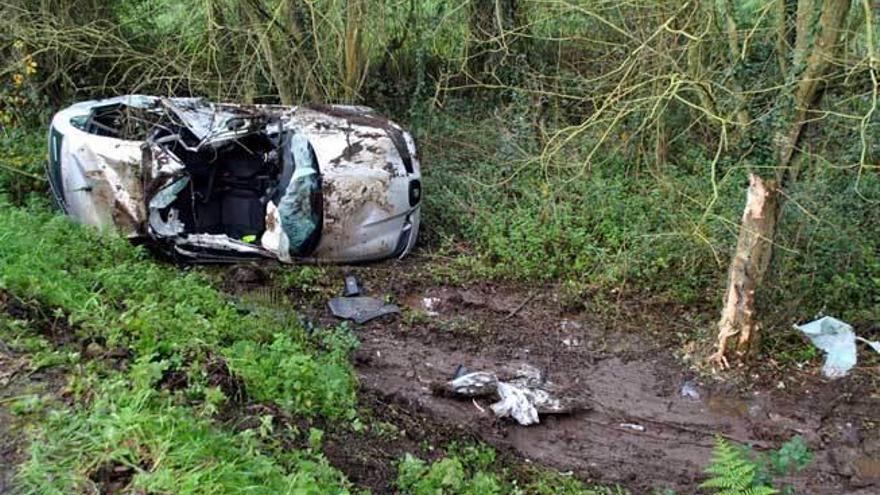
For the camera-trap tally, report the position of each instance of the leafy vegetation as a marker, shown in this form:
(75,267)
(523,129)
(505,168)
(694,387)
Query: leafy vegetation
(614,228)
(163,447)
(22,159)
(474,470)
(613,163)
(111,291)
(736,470)
(101,289)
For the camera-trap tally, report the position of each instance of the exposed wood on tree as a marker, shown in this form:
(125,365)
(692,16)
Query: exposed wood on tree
(750,262)
(763,206)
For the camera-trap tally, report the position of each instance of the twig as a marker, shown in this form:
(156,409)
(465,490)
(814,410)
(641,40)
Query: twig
(22,172)
(518,308)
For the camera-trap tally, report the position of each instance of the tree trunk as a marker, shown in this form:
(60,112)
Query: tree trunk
(736,56)
(750,262)
(763,207)
(782,36)
(275,63)
(496,28)
(303,62)
(808,91)
(354,56)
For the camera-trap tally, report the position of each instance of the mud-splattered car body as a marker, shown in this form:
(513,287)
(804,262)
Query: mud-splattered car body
(225,182)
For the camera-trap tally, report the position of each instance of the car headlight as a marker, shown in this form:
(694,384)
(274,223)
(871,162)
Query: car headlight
(415,192)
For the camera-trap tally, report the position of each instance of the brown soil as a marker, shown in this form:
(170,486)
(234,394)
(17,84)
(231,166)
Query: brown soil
(624,365)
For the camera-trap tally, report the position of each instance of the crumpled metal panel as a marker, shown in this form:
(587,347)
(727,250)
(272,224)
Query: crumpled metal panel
(364,179)
(102,183)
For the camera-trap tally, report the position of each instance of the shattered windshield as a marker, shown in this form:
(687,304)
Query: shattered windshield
(300,206)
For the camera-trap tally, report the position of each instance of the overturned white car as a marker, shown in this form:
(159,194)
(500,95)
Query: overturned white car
(224,182)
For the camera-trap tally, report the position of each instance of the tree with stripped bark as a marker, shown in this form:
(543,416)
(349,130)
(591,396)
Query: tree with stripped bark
(812,60)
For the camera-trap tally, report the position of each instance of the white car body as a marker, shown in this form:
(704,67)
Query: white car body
(222,182)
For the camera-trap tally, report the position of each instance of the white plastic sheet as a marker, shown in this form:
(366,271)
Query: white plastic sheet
(838,340)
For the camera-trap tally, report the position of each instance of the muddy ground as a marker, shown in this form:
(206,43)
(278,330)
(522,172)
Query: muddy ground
(625,364)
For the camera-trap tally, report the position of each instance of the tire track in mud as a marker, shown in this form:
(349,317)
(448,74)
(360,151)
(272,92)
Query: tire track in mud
(591,443)
(634,384)
(625,367)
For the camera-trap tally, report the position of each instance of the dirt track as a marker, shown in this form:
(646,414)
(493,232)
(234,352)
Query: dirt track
(626,378)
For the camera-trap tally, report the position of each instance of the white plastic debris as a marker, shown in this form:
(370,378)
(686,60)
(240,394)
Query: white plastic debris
(632,426)
(430,304)
(838,340)
(522,394)
(873,344)
(516,404)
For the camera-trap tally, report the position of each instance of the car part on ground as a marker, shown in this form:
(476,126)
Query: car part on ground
(225,182)
(352,286)
(360,309)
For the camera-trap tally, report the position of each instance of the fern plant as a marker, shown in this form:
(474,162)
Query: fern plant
(734,473)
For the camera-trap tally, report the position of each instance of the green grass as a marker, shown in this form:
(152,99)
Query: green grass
(167,448)
(108,291)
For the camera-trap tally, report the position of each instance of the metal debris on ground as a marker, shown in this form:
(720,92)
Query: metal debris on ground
(360,309)
(838,340)
(689,390)
(523,396)
(352,287)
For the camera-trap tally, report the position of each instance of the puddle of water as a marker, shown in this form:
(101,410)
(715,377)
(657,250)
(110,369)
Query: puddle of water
(867,467)
(730,406)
